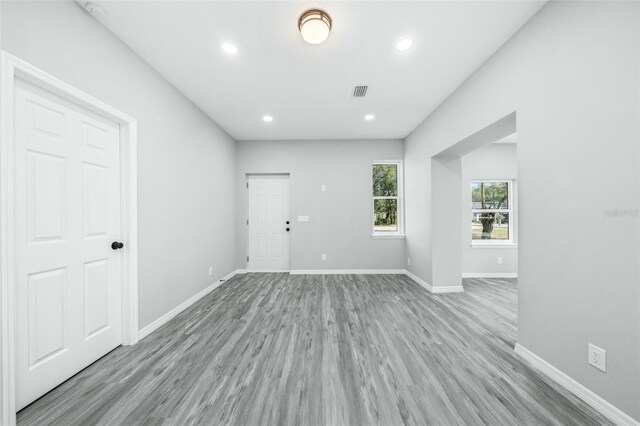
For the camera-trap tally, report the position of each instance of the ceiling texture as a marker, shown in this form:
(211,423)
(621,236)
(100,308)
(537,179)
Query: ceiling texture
(307,89)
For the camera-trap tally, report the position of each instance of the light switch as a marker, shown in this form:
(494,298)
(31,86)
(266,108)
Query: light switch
(303,218)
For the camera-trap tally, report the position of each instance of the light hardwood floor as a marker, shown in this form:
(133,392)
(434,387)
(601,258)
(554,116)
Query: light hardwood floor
(275,349)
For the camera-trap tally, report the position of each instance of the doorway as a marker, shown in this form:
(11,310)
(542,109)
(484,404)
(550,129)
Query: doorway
(268,224)
(68,281)
(446,185)
(69,232)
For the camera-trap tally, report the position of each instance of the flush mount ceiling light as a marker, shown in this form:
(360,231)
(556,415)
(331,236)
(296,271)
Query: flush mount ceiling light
(404,44)
(267,118)
(229,48)
(369,117)
(314,26)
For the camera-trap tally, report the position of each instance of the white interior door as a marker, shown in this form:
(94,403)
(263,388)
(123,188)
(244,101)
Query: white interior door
(268,223)
(68,278)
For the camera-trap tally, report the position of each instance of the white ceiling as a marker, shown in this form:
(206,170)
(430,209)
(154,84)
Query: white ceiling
(306,88)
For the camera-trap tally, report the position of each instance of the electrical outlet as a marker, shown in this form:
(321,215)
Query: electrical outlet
(323,188)
(210,270)
(324,257)
(499,260)
(408,261)
(597,357)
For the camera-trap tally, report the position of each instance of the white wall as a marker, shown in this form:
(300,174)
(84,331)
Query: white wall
(340,218)
(185,161)
(572,75)
(495,161)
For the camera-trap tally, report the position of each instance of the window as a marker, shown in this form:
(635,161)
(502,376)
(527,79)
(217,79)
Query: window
(387,203)
(492,212)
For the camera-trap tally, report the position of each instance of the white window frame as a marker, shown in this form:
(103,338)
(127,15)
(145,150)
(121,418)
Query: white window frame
(400,201)
(511,211)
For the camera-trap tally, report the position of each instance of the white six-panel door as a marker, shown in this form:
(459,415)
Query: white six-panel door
(68,279)
(267,227)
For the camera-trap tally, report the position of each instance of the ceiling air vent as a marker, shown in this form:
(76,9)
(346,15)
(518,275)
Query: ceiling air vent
(360,91)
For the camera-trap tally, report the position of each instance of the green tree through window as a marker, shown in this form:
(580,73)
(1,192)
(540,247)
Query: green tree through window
(385,197)
(491,210)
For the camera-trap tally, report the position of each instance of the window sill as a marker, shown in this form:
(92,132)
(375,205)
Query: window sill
(494,245)
(388,237)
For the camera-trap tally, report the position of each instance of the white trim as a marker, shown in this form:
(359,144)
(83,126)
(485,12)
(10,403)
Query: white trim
(598,403)
(419,281)
(144,332)
(394,236)
(435,289)
(347,271)
(493,245)
(11,68)
(447,289)
(266,271)
(489,275)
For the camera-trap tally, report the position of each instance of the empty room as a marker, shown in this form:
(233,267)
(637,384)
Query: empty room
(320,213)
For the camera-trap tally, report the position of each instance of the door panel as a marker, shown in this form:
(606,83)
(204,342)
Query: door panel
(48,312)
(96,200)
(49,121)
(96,297)
(68,280)
(46,197)
(268,214)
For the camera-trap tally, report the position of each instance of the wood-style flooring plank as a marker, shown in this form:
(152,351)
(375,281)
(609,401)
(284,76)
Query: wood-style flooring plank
(280,349)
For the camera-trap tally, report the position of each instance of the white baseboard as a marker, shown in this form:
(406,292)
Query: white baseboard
(489,275)
(265,271)
(346,271)
(435,289)
(447,289)
(144,332)
(605,408)
(419,281)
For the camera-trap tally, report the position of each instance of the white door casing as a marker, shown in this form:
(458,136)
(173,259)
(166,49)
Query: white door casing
(14,72)
(268,197)
(68,277)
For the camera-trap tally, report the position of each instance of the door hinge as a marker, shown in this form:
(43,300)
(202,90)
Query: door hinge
(247,221)
(247,258)
(247,185)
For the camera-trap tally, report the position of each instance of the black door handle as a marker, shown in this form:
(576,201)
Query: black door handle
(287,229)
(116,245)
(287,222)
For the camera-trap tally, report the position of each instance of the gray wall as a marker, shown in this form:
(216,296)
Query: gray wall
(185,161)
(496,161)
(340,218)
(571,74)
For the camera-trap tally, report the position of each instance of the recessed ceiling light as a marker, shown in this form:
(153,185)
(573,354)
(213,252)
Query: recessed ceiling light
(231,49)
(94,9)
(267,118)
(404,44)
(314,26)
(369,117)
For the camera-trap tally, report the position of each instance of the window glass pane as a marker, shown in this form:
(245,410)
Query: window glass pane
(385,180)
(385,215)
(490,195)
(489,226)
